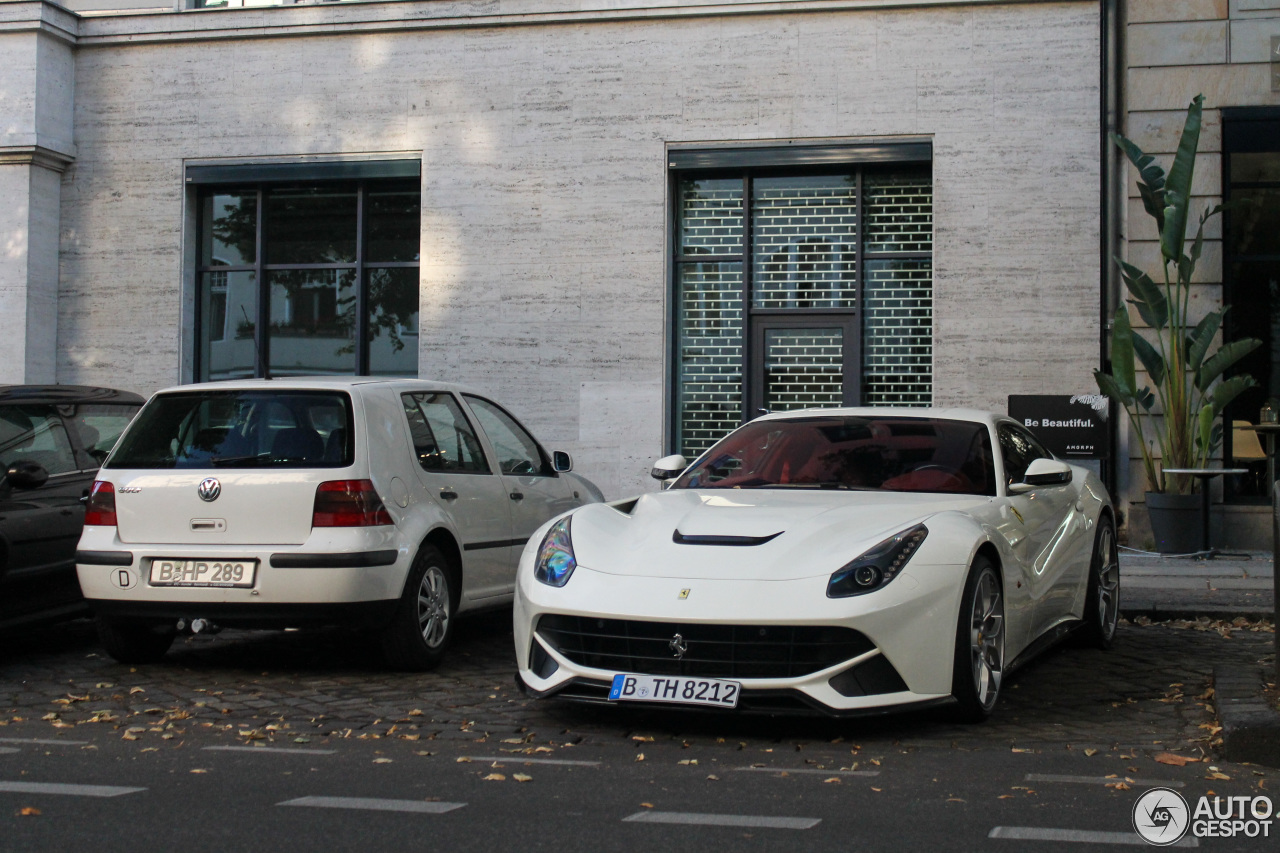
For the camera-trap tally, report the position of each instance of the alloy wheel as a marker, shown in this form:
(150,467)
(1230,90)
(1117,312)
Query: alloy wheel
(433,606)
(1108,583)
(986,635)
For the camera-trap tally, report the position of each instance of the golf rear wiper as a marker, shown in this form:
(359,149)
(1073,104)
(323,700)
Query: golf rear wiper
(255,458)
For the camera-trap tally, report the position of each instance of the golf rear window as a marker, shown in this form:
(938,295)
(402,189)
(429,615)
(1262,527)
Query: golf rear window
(240,429)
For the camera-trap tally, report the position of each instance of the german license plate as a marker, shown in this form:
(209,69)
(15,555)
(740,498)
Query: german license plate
(221,573)
(680,690)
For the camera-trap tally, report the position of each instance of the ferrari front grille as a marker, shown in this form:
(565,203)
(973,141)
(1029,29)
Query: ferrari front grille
(711,651)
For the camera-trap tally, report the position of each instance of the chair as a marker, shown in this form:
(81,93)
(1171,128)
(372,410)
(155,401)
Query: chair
(1247,452)
(1244,443)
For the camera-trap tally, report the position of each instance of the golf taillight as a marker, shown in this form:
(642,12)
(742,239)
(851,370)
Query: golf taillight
(348,503)
(100,508)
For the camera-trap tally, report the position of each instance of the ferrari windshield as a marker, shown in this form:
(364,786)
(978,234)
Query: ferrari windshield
(892,454)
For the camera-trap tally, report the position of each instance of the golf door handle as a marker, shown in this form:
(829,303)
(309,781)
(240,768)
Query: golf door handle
(448,494)
(517,496)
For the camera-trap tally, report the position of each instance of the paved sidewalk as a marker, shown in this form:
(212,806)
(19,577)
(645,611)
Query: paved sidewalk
(1226,586)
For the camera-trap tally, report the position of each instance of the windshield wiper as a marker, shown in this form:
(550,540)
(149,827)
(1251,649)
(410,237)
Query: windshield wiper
(255,458)
(845,487)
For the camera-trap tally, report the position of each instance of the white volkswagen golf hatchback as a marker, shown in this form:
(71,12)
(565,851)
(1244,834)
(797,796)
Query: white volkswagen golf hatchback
(382,503)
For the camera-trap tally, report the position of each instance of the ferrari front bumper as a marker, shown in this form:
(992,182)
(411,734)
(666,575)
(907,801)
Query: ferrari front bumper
(885,650)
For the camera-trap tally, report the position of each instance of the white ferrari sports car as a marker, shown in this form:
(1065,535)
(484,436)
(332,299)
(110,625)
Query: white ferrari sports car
(838,560)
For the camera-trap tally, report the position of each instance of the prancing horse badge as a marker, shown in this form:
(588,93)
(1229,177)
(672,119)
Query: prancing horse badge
(684,593)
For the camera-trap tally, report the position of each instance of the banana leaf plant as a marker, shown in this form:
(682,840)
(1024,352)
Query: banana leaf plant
(1184,430)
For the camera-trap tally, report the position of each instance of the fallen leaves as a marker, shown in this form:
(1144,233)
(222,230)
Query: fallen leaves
(639,756)
(522,777)
(495,777)
(1174,760)
(1090,753)
(28,811)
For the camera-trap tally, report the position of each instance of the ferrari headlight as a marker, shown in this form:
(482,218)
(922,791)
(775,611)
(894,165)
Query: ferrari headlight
(555,555)
(876,566)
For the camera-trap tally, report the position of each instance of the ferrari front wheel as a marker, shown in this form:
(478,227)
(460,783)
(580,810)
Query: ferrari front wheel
(979,653)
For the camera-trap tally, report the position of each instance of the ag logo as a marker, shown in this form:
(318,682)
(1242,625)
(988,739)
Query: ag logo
(1161,817)
(123,578)
(684,593)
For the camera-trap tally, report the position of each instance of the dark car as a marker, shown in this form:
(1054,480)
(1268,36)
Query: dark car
(53,438)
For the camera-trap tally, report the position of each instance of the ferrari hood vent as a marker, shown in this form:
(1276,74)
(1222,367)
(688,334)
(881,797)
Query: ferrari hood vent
(680,539)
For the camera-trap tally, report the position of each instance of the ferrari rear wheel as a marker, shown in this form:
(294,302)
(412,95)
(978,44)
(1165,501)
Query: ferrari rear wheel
(979,657)
(1102,599)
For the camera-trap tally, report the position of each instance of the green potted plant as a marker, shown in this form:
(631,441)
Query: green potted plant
(1177,423)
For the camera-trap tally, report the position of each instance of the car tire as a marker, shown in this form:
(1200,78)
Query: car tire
(978,667)
(135,642)
(1102,596)
(422,627)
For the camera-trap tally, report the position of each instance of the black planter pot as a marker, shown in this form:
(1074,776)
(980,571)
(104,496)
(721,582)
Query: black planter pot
(1175,523)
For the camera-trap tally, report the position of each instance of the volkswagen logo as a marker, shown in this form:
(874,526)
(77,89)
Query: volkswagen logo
(209,489)
(678,646)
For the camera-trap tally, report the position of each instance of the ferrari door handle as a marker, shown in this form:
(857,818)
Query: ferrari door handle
(517,496)
(448,494)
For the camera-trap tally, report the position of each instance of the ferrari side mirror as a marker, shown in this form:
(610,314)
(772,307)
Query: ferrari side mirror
(668,467)
(1042,472)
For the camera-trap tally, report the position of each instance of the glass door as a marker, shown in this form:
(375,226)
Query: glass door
(804,362)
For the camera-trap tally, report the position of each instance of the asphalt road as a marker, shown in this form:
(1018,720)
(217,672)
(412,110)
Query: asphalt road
(209,752)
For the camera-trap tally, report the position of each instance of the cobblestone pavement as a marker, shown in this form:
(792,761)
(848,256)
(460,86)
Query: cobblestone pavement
(1150,692)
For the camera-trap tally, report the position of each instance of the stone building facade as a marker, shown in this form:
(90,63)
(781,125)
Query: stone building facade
(1225,50)
(629,222)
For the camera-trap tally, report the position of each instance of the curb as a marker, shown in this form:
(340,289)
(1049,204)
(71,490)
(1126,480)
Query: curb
(1250,729)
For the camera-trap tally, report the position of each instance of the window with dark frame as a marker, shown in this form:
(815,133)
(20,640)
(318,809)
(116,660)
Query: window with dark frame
(1251,284)
(331,267)
(799,285)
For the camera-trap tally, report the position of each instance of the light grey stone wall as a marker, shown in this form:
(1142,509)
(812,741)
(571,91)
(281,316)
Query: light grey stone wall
(544,228)
(36,91)
(1177,49)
